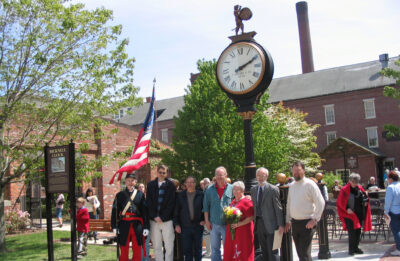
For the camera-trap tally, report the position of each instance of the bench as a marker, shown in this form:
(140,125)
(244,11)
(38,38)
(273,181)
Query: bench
(99,225)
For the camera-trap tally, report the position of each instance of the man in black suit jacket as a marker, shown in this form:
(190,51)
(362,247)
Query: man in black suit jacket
(160,201)
(268,214)
(189,219)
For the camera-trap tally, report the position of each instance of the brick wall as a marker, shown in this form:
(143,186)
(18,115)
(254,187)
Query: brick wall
(350,119)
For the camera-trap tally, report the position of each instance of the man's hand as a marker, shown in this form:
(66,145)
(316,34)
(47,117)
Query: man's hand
(115,231)
(349,211)
(178,229)
(202,223)
(281,230)
(145,232)
(158,220)
(287,227)
(208,225)
(310,224)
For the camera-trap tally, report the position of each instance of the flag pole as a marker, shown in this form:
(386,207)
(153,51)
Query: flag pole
(155,111)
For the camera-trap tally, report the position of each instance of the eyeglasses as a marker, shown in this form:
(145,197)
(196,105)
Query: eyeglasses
(162,173)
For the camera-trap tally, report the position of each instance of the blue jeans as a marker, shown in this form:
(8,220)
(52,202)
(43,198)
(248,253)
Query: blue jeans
(93,216)
(395,226)
(192,239)
(217,234)
(147,243)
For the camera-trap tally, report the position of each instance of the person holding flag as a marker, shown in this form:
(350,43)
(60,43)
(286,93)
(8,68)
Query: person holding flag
(130,214)
(130,217)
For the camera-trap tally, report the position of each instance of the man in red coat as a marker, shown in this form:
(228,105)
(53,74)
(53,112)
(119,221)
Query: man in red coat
(354,211)
(82,226)
(129,215)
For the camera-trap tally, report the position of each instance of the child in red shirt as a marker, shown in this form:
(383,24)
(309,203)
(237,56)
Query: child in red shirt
(82,226)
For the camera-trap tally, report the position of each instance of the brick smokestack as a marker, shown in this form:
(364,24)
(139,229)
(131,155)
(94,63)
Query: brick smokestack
(307,63)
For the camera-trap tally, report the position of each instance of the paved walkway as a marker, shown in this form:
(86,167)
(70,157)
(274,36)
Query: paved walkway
(373,250)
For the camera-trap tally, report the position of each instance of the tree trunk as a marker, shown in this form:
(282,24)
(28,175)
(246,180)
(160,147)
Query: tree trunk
(2,222)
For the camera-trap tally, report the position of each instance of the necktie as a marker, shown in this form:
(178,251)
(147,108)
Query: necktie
(259,198)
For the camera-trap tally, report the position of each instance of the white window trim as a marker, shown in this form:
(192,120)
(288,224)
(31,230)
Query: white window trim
(377,137)
(365,108)
(337,171)
(327,136)
(163,131)
(326,118)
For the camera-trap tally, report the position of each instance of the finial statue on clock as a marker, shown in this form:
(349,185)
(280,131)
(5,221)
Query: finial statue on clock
(244,72)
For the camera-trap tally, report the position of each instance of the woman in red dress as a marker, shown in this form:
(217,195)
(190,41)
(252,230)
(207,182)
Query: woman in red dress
(242,247)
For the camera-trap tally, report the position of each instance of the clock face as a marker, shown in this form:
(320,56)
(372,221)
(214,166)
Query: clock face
(241,67)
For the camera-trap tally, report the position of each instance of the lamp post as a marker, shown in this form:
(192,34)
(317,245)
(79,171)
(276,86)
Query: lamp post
(286,247)
(344,176)
(322,226)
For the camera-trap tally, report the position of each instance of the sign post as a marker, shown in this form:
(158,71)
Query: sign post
(60,178)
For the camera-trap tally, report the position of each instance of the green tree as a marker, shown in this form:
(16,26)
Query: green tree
(394,93)
(62,70)
(209,133)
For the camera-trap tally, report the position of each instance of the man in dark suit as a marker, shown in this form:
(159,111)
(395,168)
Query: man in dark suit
(268,214)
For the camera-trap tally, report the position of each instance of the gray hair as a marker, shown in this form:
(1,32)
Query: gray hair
(355,177)
(222,168)
(262,169)
(239,184)
(206,180)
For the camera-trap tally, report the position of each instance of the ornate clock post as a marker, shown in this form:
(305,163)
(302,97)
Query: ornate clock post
(244,72)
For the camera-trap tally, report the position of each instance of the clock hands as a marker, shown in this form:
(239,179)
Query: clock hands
(244,65)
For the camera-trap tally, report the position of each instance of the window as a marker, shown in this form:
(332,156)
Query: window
(369,107)
(330,136)
(119,115)
(329,114)
(344,175)
(372,134)
(164,135)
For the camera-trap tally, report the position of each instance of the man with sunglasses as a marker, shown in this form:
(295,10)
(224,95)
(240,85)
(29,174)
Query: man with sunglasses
(161,202)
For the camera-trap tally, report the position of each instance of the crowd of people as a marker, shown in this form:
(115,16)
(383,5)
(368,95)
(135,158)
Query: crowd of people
(176,219)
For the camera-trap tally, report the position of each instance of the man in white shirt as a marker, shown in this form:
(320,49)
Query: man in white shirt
(305,205)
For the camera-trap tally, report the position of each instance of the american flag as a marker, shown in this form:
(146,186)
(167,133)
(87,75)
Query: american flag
(140,154)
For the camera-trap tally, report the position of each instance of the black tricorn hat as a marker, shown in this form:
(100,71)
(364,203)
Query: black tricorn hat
(131,175)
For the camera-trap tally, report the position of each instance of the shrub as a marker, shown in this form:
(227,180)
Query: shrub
(17,221)
(329,179)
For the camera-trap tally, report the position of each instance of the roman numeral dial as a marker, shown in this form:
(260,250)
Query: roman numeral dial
(241,67)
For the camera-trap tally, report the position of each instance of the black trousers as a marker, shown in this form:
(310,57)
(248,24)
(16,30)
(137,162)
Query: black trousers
(354,235)
(266,242)
(302,238)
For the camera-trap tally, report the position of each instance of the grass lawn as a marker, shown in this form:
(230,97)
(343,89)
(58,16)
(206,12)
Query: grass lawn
(33,246)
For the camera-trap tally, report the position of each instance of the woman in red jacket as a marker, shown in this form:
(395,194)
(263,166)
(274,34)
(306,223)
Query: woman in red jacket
(354,211)
(82,226)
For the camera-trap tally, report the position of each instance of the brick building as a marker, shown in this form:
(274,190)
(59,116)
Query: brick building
(165,109)
(19,196)
(347,102)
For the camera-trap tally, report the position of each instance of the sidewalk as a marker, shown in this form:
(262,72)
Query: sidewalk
(373,250)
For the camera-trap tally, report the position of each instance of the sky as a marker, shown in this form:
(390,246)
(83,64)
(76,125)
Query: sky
(168,37)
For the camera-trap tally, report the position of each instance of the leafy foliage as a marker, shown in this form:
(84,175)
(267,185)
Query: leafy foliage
(394,93)
(329,179)
(63,69)
(17,221)
(209,133)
